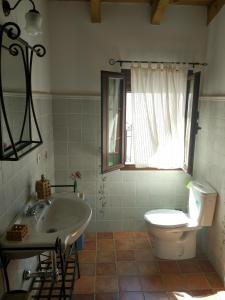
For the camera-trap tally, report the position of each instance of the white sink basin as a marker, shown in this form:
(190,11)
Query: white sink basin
(63,214)
(65,219)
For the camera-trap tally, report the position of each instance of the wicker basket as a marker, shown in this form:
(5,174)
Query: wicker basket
(17,232)
(43,188)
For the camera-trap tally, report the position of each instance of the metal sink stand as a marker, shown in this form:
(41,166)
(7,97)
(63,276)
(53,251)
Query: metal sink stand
(63,268)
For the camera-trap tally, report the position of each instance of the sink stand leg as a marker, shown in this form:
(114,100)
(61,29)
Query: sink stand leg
(53,273)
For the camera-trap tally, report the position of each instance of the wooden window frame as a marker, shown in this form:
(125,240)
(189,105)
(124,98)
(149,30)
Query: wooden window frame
(194,117)
(194,124)
(105,76)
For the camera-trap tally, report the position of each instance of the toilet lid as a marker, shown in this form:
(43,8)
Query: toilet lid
(166,218)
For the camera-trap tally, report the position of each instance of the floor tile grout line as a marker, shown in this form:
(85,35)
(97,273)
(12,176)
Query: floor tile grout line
(136,262)
(210,285)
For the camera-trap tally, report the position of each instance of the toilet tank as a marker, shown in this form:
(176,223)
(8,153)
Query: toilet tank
(202,201)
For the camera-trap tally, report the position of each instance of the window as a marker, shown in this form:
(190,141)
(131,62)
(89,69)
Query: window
(118,125)
(191,119)
(113,116)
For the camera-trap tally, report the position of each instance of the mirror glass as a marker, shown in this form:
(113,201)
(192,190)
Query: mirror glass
(14,93)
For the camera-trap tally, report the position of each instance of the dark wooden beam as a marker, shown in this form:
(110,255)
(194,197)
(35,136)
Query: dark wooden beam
(213,9)
(174,2)
(191,2)
(95,11)
(158,9)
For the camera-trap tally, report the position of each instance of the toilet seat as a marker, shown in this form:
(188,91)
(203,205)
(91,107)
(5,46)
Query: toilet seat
(167,218)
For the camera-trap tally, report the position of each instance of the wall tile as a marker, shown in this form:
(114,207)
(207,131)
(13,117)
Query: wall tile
(61,148)
(128,194)
(75,106)
(91,107)
(62,177)
(74,134)
(128,213)
(115,176)
(74,121)
(17,183)
(90,121)
(61,162)
(61,106)
(90,135)
(128,201)
(209,165)
(60,120)
(102,226)
(60,134)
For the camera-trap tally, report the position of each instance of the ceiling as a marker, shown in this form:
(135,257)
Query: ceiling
(158,7)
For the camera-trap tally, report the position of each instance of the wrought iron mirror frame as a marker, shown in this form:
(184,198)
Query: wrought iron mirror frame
(18,149)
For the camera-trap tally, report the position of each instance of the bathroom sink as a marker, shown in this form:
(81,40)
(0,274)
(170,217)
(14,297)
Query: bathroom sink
(65,218)
(63,214)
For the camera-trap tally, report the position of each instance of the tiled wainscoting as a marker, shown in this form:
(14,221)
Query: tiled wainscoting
(128,194)
(17,181)
(209,165)
(17,178)
(121,265)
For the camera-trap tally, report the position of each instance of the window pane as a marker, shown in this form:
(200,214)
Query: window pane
(114,121)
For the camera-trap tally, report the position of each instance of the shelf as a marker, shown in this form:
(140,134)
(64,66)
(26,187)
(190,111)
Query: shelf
(63,288)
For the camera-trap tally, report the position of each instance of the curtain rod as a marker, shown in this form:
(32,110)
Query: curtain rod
(114,61)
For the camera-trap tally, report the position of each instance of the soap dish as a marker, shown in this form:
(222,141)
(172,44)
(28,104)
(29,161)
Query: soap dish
(17,232)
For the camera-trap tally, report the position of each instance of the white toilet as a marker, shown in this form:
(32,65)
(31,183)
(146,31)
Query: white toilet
(174,232)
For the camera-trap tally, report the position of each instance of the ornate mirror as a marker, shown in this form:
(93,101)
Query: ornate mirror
(19,128)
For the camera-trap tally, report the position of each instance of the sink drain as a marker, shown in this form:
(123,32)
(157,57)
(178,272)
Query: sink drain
(51,230)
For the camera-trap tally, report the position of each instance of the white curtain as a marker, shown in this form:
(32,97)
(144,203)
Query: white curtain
(158,113)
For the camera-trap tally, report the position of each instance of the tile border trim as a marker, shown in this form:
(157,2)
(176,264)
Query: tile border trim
(212,98)
(47,96)
(35,95)
(76,97)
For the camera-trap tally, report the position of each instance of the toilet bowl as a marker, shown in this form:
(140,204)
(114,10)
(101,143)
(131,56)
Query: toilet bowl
(173,232)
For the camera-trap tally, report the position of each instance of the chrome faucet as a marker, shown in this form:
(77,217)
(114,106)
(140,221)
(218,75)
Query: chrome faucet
(39,204)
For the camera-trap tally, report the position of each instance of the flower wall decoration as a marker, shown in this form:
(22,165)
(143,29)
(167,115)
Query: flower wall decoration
(102,196)
(74,176)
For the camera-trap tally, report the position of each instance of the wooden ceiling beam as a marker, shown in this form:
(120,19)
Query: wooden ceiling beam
(158,9)
(95,11)
(213,9)
(174,2)
(190,2)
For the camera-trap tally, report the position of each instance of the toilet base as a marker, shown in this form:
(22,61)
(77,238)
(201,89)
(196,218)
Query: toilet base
(184,248)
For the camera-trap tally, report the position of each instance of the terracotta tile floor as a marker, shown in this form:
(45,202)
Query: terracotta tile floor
(121,266)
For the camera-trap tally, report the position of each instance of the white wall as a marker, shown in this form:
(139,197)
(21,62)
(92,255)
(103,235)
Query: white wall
(40,76)
(17,179)
(215,72)
(80,49)
(210,148)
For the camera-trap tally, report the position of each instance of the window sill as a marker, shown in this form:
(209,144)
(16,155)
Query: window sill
(133,168)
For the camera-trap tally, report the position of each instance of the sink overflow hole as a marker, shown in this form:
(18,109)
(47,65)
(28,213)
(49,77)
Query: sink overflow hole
(51,230)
